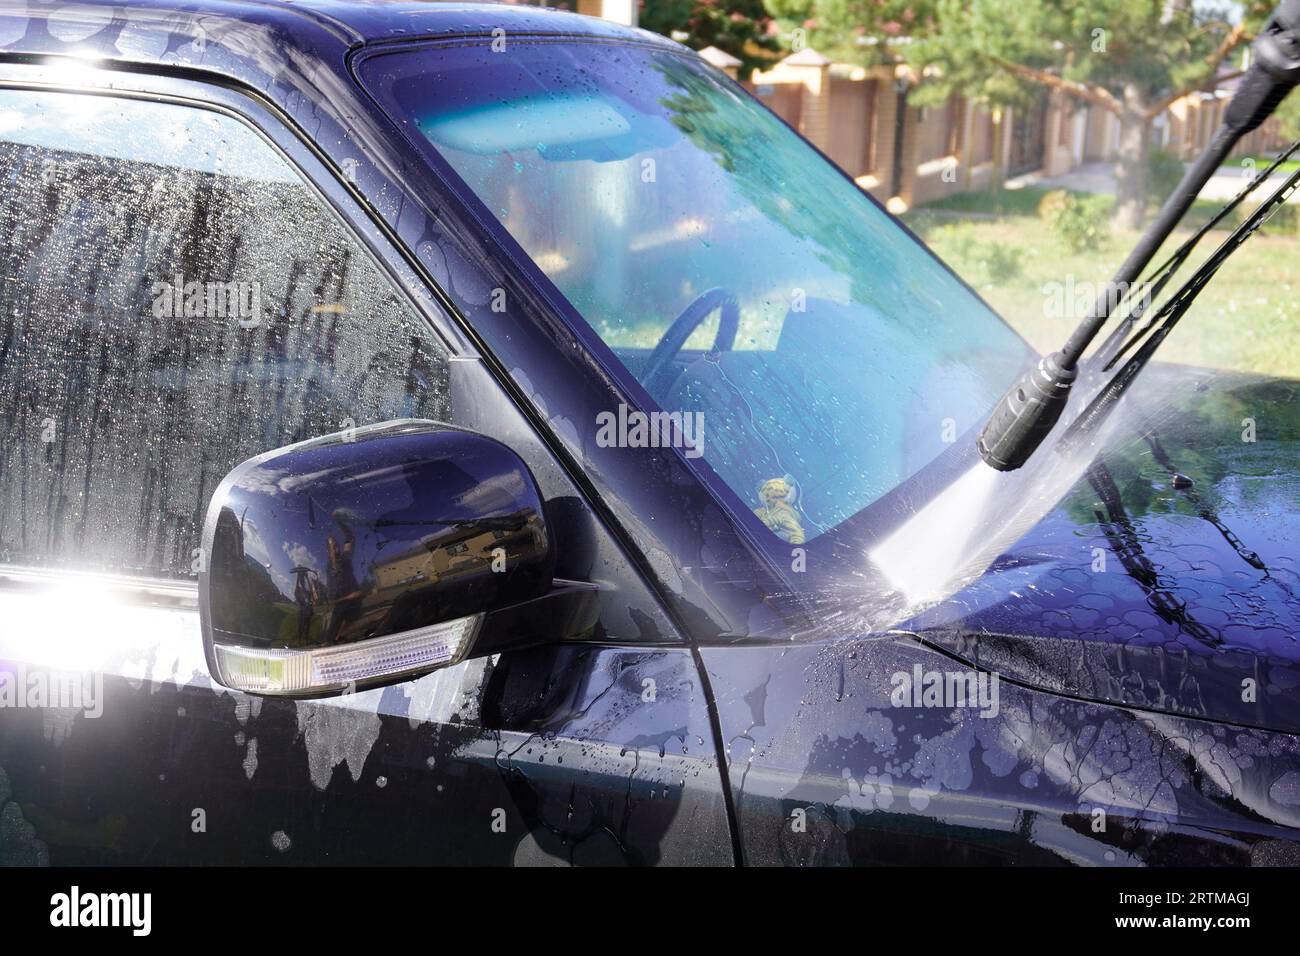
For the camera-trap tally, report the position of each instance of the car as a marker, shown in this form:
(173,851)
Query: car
(481,435)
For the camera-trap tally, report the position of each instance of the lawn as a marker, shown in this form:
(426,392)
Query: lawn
(1247,318)
(1261,163)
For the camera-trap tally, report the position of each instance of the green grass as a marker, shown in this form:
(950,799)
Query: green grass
(1246,319)
(1003,202)
(1261,164)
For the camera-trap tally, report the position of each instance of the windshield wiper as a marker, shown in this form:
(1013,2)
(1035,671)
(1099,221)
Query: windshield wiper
(1171,312)
(1138,298)
(1030,410)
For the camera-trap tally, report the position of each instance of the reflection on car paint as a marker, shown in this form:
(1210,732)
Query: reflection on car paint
(591,754)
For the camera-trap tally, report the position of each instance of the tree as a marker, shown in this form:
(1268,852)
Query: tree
(1131,58)
(738,27)
(866,32)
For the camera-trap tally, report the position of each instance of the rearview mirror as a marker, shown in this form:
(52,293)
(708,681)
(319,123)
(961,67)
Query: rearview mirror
(369,556)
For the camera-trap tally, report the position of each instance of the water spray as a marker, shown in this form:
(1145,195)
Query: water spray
(954,537)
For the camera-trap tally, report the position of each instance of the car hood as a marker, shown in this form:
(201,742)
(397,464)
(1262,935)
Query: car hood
(1173,594)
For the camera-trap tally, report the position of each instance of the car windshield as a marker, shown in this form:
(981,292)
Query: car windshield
(648,187)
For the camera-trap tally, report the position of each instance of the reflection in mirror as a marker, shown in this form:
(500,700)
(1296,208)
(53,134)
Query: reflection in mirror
(365,555)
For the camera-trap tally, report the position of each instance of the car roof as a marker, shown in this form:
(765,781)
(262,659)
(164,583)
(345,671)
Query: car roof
(233,36)
(374,20)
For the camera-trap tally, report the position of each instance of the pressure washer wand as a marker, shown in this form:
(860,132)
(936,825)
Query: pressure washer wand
(1029,411)
(1171,312)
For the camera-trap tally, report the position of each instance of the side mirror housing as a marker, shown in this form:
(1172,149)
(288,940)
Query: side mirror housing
(369,556)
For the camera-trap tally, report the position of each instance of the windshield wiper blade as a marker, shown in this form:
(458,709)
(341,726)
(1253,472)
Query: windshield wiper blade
(1172,311)
(1138,298)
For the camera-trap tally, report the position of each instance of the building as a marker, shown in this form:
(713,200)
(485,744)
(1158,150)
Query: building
(905,155)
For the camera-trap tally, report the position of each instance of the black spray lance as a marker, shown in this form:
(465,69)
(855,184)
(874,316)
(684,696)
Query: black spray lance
(1029,411)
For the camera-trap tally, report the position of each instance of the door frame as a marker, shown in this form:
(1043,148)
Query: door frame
(365,224)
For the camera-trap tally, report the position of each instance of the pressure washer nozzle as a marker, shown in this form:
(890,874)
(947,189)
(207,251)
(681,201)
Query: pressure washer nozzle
(1026,414)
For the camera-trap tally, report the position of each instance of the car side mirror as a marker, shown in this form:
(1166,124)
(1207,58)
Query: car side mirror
(374,555)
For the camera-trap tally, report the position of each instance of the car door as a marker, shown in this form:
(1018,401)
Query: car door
(183,288)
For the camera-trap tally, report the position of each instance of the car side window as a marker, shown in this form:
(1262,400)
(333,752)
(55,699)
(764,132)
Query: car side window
(174,299)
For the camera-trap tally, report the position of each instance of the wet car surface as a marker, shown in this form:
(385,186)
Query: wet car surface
(1142,634)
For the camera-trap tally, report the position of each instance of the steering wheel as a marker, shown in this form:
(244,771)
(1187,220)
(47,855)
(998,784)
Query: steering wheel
(690,319)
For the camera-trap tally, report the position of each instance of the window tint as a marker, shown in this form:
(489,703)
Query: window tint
(173,300)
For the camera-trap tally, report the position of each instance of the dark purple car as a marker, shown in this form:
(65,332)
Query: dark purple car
(483,435)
